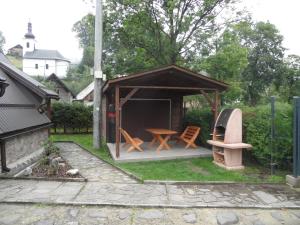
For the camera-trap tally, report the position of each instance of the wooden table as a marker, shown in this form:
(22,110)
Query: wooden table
(158,137)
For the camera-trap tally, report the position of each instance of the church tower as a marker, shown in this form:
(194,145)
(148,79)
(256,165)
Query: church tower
(29,45)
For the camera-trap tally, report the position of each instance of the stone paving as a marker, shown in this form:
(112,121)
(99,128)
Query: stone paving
(153,195)
(91,167)
(111,197)
(75,215)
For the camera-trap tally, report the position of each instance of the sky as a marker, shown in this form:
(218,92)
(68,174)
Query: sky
(52,22)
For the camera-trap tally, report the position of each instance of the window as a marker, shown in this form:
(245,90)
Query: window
(27,44)
(36,66)
(47,66)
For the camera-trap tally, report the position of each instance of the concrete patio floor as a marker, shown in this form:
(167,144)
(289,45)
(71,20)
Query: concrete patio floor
(177,151)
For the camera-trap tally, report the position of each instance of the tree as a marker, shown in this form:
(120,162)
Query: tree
(2,41)
(169,31)
(141,34)
(265,58)
(289,82)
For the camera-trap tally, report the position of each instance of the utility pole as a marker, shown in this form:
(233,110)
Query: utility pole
(97,115)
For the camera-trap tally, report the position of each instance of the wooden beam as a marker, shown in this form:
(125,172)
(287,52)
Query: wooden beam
(128,96)
(117,109)
(207,98)
(170,88)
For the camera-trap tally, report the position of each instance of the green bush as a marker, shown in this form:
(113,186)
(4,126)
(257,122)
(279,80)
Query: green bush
(75,117)
(256,131)
(202,118)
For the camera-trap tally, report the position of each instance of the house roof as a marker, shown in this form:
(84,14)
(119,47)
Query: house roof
(56,79)
(169,76)
(16,46)
(85,92)
(45,54)
(21,101)
(25,79)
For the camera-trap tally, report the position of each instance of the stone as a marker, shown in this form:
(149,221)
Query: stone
(45,222)
(73,223)
(97,214)
(258,222)
(53,168)
(227,218)
(265,197)
(277,216)
(61,164)
(190,218)
(73,172)
(59,159)
(73,212)
(297,214)
(151,214)
(124,215)
(190,191)
(27,171)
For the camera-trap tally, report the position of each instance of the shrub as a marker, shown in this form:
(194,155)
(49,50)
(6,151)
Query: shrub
(75,116)
(202,118)
(256,131)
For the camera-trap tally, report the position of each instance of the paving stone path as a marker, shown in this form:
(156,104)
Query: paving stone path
(153,195)
(91,167)
(75,215)
(97,201)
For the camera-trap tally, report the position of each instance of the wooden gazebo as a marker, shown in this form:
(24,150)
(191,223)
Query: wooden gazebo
(154,99)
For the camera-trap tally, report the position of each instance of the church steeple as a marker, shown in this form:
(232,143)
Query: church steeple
(29,33)
(29,45)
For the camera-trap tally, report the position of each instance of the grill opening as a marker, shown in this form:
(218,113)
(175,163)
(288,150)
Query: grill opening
(220,133)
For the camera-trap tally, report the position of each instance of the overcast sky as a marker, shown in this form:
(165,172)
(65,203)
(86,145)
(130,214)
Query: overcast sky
(52,22)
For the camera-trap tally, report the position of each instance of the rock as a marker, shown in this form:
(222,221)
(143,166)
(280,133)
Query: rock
(45,222)
(297,214)
(277,216)
(59,159)
(61,164)
(265,197)
(227,218)
(190,218)
(27,171)
(124,215)
(73,212)
(53,168)
(151,214)
(73,172)
(258,222)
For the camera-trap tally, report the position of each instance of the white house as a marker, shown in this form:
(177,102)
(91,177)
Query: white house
(42,62)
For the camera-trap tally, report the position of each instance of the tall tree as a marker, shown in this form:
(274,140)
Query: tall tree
(265,58)
(140,34)
(2,41)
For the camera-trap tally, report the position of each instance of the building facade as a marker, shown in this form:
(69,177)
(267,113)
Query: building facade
(24,118)
(42,62)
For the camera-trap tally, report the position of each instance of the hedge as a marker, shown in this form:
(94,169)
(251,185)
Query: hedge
(72,118)
(256,131)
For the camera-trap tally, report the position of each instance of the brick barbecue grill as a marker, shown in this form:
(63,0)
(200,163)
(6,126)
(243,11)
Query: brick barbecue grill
(227,140)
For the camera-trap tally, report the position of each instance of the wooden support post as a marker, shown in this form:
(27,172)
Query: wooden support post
(216,106)
(117,109)
(49,114)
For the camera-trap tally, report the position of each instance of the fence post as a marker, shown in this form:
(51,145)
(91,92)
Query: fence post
(296,132)
(272,134)
(294,180)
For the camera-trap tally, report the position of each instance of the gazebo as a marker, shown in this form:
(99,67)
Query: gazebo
(153,99)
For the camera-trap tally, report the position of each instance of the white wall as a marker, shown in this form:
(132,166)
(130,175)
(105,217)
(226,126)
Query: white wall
(60,68)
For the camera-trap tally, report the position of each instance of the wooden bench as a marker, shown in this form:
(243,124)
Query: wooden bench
(133,142)
(189,136)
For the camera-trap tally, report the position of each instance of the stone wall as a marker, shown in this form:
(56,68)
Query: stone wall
(24,145)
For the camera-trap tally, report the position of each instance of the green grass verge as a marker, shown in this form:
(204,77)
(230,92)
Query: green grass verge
(196,169)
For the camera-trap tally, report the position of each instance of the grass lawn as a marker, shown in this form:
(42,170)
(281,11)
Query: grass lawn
(196,169)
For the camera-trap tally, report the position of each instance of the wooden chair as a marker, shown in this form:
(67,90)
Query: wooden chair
(189,136)
(133,142)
